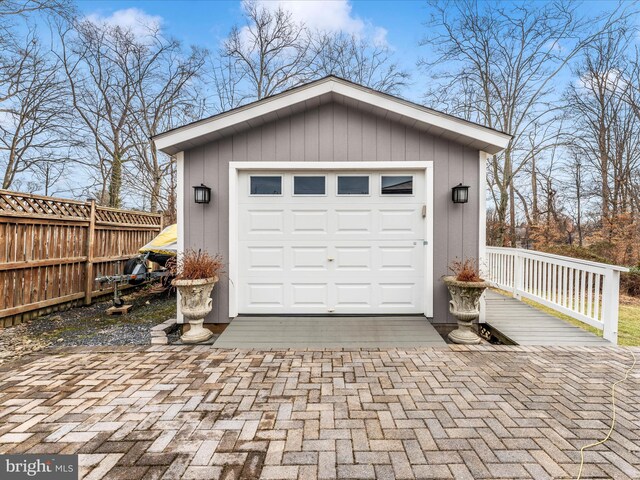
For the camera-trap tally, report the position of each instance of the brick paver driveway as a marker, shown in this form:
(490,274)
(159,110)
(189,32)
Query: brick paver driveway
(449,412)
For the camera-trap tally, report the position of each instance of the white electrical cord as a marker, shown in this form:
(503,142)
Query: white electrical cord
(613,421)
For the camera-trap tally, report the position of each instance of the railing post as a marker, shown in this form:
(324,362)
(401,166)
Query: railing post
(517,273)
(610,299)
(88,286)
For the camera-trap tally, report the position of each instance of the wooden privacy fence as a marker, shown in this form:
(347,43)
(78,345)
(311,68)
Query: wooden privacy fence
(51,249)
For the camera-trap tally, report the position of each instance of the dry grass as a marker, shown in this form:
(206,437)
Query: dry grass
(196,265)
(466,270)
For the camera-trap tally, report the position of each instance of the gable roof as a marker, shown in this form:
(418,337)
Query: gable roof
(325,90)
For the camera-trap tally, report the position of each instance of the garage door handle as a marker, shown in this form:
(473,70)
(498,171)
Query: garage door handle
(331,259)
(424,211)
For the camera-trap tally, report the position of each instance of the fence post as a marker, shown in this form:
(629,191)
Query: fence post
(88,287)
(610,299)
(518,261)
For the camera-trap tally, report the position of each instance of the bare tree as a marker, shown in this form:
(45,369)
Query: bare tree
(223,79)
(24,7)
(505,59)
(575,186)
(13,10)
(97,60)
(47,178)
(632,97)
(164,98)
(358,60)
(34,118)
(606,125)
(271,53)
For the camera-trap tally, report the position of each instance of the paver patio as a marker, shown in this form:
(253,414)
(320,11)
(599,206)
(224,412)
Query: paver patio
(438,412)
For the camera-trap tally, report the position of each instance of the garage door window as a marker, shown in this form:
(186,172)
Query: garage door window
(397,185)
(353,185)
(309,185)
(262,185)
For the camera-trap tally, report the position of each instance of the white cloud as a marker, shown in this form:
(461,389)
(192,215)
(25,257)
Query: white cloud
(555,45)
(330,16)
(612,80)
(7,119)
(134,20)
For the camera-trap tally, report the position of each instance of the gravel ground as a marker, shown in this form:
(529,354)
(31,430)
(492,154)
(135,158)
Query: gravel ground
(90,326)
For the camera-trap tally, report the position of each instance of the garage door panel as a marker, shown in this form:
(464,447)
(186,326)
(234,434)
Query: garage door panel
(265,259)
(260,222)
(308,258)
(354,221)
(310,221)
(397,295)
(351,295)
(405,258)
(310,295)
(270,295)
(398,221)
(353,258)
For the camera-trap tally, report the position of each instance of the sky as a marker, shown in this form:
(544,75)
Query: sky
(399,24)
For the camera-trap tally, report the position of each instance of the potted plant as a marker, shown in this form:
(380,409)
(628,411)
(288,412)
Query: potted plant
(465,287)
(196,275)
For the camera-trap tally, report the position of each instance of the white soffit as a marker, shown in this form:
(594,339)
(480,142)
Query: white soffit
(321,91)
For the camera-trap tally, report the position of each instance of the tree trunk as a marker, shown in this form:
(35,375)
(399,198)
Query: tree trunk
(501,211)
(115,184)
(579,203)
(9,173)
(155,192)
(512,215)
(535,211)
(604,175)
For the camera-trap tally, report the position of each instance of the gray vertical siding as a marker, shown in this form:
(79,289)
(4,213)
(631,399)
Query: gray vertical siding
(335,132)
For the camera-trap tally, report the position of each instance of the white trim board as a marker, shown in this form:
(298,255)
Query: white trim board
(236,167)
(180,218)
(481,137)
(482,225)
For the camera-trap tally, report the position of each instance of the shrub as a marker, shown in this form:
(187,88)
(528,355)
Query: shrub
(466,270)
(574,251)
(192,265)
(630,282)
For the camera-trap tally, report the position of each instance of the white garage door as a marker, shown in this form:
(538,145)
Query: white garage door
(318,242)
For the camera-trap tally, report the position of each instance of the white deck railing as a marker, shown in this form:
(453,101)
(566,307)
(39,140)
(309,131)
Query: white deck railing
(587,291)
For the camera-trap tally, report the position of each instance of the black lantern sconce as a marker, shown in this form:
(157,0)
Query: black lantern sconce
(202,193)
(460,194)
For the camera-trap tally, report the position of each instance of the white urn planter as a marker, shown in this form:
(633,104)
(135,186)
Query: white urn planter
(465,306)
(195,304)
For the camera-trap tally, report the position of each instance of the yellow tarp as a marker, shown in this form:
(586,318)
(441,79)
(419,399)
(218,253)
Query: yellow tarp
(166,243)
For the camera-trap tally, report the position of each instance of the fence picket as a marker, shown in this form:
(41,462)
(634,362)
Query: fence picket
(596,300)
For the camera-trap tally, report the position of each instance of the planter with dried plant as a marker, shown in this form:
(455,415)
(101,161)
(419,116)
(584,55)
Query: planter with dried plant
(195,276)
(465,287)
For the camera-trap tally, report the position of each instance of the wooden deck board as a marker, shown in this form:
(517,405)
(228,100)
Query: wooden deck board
(526,325)
(329,332)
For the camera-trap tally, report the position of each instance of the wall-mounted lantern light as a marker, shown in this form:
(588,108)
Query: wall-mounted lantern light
(202,193)
(460,194)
